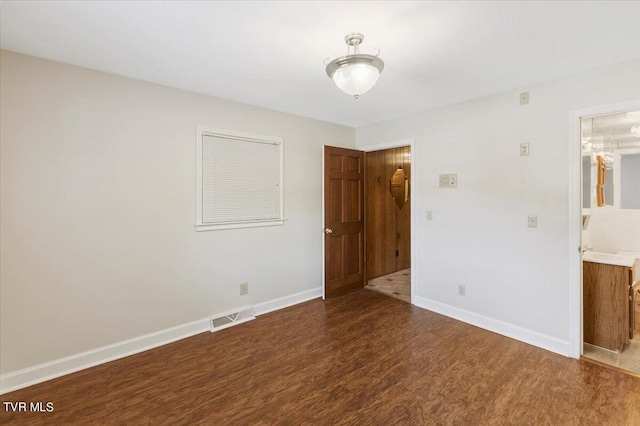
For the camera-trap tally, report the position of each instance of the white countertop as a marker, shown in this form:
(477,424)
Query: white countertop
(609,258)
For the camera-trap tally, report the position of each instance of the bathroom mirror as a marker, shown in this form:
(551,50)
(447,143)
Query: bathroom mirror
(399,187)
(611,161)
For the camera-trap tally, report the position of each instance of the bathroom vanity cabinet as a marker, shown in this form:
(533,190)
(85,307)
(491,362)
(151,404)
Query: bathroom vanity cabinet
(606,308)
(634,309)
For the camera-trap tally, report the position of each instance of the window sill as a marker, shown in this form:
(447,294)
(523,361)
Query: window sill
(237,225)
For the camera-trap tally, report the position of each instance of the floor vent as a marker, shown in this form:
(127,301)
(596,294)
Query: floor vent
(218,322)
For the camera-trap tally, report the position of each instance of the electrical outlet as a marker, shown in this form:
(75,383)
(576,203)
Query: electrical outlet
(524,98)
(244,289)
(462,291)
(524,149)
(533,221)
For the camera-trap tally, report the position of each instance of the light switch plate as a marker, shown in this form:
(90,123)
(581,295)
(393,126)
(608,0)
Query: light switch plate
(448,181)
(429,215)
(533,221)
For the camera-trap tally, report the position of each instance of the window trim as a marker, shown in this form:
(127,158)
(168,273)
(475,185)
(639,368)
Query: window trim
(232,134)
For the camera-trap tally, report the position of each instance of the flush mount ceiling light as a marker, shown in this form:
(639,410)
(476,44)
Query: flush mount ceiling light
(355,73)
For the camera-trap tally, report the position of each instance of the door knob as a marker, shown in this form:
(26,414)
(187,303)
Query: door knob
(328,231)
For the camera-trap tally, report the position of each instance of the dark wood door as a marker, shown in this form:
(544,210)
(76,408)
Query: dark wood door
(343,220)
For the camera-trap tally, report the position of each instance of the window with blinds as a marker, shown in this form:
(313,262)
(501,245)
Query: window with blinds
(239,180)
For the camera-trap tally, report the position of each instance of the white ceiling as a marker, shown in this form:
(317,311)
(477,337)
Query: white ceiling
(271,54)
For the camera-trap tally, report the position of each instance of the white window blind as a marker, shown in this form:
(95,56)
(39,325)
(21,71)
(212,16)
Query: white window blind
(239,180)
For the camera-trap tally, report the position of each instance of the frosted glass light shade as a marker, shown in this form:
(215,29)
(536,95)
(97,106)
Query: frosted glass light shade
(355,73)
(356,79)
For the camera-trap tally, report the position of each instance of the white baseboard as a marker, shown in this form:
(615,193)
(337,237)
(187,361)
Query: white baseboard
(534,338)
(70,364)
(50,370)
(285,302)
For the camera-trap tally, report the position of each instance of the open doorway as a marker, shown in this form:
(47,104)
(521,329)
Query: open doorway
(344,242)
(610,248)
(388,177)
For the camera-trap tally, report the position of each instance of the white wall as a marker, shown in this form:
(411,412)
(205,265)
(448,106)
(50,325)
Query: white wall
(98,209)
(516,278)
(612,230)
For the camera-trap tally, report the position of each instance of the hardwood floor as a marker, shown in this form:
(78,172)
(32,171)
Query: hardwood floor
(361,358)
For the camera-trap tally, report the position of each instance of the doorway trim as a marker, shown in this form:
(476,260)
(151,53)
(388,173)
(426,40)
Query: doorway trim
(575,219)
(399,144)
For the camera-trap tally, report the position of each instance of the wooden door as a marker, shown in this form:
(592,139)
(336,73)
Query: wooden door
(343,220)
